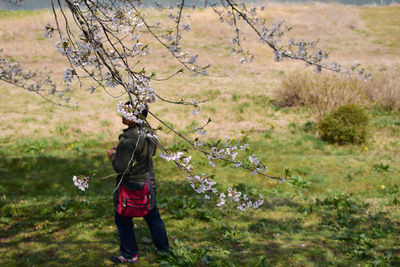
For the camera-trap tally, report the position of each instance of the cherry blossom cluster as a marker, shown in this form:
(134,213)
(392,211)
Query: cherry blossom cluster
(131,111)
(109,36)
(178,157)
(259,166)
(196,111)
(172,156)
(273,36)
(82,182)
(200,130)
(90,3)
(171,39)
(68,76)
(39,83)
(48,31)
(202,184)
(228,151)
(141,87)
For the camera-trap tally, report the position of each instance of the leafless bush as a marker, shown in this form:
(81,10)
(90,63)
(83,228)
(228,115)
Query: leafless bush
(323,93)
(384,88)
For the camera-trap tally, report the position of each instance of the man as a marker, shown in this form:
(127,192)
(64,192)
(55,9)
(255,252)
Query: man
(136,150)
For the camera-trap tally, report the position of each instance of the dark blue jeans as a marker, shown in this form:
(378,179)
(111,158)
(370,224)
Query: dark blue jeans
(128,245)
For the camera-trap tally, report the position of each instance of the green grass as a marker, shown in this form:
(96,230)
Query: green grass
(387,18)
(15,14)
(333,212)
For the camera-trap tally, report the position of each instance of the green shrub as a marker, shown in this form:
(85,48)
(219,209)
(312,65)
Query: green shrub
(346,125)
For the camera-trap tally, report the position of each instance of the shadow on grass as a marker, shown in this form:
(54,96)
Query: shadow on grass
(46,220)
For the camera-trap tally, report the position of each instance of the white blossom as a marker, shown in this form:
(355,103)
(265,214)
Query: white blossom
(196,111)
(81,182)
(68,75)
(48,31)
(187,27)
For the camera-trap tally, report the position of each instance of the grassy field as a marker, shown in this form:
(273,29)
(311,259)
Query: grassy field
(340,209)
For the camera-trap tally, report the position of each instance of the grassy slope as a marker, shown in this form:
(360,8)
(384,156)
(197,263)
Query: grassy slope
(45,220)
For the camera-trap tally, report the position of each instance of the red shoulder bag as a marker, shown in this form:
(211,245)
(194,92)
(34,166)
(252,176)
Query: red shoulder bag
(134,203)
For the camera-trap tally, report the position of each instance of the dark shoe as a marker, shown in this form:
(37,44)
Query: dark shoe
(122,259)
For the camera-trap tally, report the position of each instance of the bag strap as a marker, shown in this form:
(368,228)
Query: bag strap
(129,165)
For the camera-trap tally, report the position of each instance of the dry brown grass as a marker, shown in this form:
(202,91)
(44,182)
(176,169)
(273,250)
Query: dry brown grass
(384,88)
(22,39)
(322,93)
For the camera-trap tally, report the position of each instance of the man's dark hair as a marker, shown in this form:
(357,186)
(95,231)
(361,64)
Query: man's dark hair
(144,112)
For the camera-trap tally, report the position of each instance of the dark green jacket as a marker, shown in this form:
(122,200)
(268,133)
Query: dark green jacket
(143,164)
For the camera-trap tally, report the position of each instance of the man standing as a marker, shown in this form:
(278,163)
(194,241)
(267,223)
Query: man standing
(134,147)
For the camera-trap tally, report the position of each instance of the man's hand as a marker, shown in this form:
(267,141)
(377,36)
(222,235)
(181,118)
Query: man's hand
(110,152)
